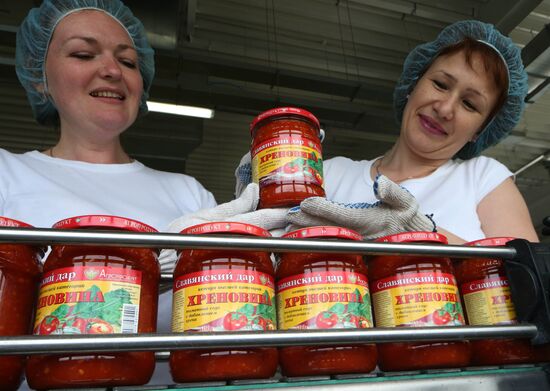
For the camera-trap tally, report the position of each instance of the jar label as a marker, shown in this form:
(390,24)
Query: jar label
(88,300)
(417,299)
(324,300)
(287,159)
(489,302)
(223,299)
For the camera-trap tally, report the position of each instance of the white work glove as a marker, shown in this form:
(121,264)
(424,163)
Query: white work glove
(242,210)
(397,211)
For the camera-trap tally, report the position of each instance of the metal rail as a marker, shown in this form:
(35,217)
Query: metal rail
(41,236)
(176,341)
(210,340)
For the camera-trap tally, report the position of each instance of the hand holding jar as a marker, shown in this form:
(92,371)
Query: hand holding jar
(398,211)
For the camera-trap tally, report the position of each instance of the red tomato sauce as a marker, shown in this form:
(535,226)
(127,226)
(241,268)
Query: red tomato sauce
(412,291)
(487,297)
(286,156)
(223,290)
(19,277)
(324,291)
(99,287)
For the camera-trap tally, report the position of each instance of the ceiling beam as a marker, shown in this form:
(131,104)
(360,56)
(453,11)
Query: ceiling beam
(506,14)
(187,19)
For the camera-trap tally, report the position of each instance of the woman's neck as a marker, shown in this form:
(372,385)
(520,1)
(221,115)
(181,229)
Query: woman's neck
(99,154)
(400,166)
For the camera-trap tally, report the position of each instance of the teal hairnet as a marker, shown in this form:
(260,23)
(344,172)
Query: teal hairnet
(423,55)
(33,39)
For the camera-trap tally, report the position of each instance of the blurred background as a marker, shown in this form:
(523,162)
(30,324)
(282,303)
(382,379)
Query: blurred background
(338,59)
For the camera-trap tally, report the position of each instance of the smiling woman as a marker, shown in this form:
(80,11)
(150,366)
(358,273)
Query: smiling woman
(457,96)
(87,68)
(94,82)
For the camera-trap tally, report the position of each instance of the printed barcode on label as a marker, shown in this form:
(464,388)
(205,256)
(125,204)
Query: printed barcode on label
(130,316)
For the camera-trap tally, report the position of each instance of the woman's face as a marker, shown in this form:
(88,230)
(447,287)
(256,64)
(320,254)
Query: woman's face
(447,107)
(93,75)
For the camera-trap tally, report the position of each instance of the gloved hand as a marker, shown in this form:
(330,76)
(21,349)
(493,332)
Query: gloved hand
(242,209)
(397,211)
(243,174)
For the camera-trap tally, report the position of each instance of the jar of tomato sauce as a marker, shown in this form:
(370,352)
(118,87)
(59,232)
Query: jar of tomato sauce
(286,156)
(19,277)
(96,290)
(486,294)
(223,290)
(416,291)
(324,291)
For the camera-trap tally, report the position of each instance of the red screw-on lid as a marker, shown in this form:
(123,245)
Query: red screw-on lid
(284,111)
(226,227)
(324,232)
(500,241)
(7,222)
(103,221)
(415,236)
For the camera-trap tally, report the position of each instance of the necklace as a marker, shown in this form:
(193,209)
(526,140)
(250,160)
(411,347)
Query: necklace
(378,163)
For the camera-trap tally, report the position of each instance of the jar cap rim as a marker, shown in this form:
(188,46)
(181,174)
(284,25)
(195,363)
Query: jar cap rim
(496,241)
(226,227)
(103,221)
(324,231)
(284,111)
(414,236)
(9,222)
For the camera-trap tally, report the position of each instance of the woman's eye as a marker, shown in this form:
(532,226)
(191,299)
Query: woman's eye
(469,106)
(128,63)
(440,85)
(82,56)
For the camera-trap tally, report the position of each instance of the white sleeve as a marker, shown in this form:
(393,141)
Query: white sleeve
(490,174)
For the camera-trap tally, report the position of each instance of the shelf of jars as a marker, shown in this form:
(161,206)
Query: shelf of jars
(533,375)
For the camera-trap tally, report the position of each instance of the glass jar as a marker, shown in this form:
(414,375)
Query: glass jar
(96,289)
(223,290)
(19,277)
(324,291)
(487,298)
(286,156)
(416,291)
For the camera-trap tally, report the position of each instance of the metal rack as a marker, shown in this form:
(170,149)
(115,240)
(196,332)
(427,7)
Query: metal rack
(503,378)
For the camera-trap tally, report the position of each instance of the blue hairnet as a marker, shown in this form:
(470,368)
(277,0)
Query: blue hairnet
(423,55)
(33,39)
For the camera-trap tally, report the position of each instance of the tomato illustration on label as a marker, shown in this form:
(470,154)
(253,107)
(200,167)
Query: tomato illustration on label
(234,321)
(291,168)
(48,325)
(357,321)
(441,317)
(353,319)
(261,323)
(99,326)
(326,320)
(81,324)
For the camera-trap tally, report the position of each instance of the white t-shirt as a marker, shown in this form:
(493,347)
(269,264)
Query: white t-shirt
(41,190)
(451,193)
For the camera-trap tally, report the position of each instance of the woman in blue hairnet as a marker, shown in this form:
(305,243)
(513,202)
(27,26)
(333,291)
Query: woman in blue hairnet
(87,68)
(457,95)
